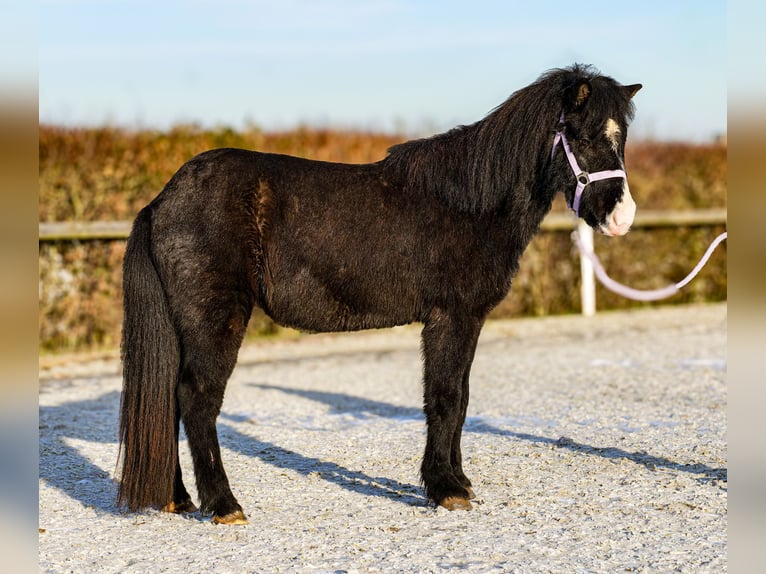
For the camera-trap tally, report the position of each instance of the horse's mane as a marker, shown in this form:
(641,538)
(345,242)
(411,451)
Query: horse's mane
(478,167)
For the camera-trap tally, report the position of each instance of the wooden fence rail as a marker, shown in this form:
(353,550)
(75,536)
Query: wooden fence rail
(116,230)
(119,230)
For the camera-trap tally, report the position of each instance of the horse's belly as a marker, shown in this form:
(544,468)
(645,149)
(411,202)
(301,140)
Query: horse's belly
(332,303)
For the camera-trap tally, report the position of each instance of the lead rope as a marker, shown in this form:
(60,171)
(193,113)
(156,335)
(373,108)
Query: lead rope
(639,294)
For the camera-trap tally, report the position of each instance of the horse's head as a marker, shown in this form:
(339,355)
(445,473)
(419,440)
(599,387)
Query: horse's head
(588,153)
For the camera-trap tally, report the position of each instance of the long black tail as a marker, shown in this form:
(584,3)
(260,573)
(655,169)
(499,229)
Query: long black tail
(151,362)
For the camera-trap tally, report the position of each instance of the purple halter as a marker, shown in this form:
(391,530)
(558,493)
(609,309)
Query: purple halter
(583,177)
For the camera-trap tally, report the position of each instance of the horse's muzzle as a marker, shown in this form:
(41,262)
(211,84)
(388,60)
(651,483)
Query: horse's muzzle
(618,222)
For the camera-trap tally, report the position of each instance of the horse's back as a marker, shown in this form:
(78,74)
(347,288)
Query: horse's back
(309,240)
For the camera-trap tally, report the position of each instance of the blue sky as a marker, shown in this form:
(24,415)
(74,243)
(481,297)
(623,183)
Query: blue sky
(418,66)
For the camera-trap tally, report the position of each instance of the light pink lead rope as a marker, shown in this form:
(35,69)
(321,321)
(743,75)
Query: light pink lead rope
(639,294)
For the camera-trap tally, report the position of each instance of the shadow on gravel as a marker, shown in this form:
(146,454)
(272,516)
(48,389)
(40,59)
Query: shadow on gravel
(62,466)
(65,468)
(706,473)
(341,403)
(352,480)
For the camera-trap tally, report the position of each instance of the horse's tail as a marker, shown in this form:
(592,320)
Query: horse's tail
(151,363)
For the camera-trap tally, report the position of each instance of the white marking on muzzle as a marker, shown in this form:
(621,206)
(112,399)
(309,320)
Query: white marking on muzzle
(618,222)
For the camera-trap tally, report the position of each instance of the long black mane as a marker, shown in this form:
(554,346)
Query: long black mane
(489,164)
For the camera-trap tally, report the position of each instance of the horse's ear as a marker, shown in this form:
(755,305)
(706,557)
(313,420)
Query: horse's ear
(577,95)
(632,89)
(583,91)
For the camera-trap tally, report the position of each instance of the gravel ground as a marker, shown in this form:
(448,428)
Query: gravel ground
(594,445)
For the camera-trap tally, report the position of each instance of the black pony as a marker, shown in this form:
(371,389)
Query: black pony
(433,234)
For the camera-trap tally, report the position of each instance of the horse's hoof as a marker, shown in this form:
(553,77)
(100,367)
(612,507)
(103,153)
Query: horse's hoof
(456,503)
(185,507)
(471,493)
(236,517)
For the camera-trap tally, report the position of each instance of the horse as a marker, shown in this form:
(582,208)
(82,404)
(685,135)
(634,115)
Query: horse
(430,234)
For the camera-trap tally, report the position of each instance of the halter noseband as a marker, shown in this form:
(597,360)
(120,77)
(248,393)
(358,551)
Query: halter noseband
(583,177)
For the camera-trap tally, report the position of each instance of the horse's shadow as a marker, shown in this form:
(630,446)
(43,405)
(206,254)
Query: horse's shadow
(352,480)
(67,469)
(340,403)
(71,471)
(63,466)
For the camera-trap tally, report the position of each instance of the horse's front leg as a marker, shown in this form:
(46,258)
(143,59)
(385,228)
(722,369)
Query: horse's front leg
(449,343)
(457,455)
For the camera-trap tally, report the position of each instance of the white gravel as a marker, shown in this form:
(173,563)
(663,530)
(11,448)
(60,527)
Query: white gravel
(595,445)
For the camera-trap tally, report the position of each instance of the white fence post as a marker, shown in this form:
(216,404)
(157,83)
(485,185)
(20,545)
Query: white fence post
(587,277)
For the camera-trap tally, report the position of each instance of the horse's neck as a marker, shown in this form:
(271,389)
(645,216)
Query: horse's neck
(519,220)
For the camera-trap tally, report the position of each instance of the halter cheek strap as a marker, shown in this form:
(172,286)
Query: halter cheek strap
(583,177)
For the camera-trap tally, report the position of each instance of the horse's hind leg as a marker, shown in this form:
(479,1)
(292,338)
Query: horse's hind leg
(182,502)
(209,355)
